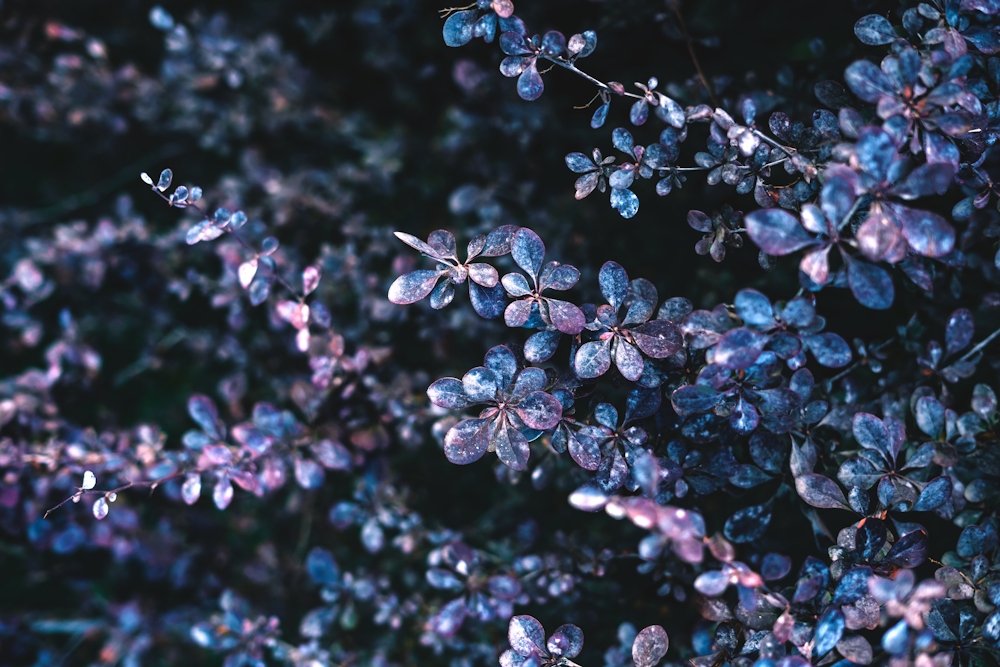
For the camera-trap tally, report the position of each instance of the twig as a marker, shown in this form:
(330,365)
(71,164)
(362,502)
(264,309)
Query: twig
(153,483)
(694,58)
(980,346)
(847,371)
(565,64)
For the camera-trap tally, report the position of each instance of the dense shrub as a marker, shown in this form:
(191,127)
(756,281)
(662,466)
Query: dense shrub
(269,427)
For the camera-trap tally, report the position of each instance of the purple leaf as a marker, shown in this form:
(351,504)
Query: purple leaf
(589,497)
(650,646)
(869,537)
(100,508)
(628,359)
(754,308)
(510,445)
(203,412)
(566,641)
(852,585)
(467,441)
(526,635)
(874,30)
(539,411)
(613,281)
(658,339)
(871,433)
(191,489)
(413,286)
(447,621)
(930,416)
(927,233)
(541,346)
(479,385)
(925,180)
(222,494)
(332,454)
(566,317)
(448,393)
(829,630)
(517,312)
(858,471)
(308,474)
(775,566)
(744,417)
(867,81)
(748,524)
(528,251)
(458,28)
(712,583)
(513,43)
(875,151)
(483,274)
(909,551)
(626,202)
(693,399)
(936,493)
(776,231)
(820,491)
(739,349)
(871,285)
(829,349)
(622,140)
(322,567)
(612,472)
(642,403)
(498,241)
(583,450)
(593,359)
(488,302)
(553,43)
(558,276)
(529,84)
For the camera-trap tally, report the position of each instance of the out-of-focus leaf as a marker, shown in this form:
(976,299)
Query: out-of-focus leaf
(776,231)
(959,331)
(748,524)
(775,566)
(867,81)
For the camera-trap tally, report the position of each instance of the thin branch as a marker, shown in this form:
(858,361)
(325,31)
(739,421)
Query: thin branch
(565,64)
(847,371)
(153,483)
(986,341)
(694,58)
